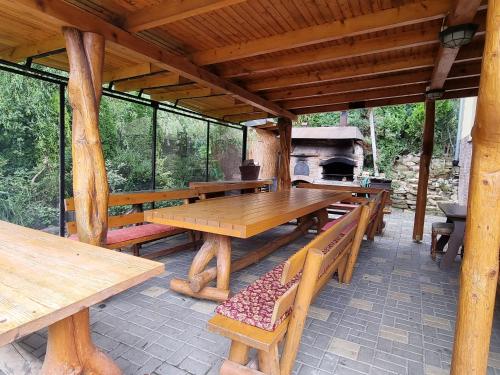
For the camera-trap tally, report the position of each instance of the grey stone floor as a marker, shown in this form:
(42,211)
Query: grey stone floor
(396,317)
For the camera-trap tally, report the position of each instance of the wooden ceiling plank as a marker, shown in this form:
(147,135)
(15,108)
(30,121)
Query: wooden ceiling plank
(182,94)
(171,11)
(349,86)
(404,15)
(155,80)
(21,52)
(128,72)
(407,39)
(67,14)
(246,117)
(463,12)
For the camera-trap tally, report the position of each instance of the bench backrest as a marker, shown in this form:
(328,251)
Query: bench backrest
(334,245)
(136,199)
(205,188)
(311,268)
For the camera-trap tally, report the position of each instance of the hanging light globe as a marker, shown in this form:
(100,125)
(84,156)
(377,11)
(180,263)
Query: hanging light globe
(458,35)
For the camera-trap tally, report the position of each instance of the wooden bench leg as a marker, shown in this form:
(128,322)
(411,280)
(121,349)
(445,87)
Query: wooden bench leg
(269,362)
(239,352)
(136,250)
(341,269)
(433,245)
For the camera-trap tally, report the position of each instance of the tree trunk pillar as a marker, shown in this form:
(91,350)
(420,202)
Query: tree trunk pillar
(423,174)
(479,273)
(90,183)
(285,132)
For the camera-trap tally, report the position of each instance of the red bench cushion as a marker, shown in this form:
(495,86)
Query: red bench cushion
(254,304)
(135,232)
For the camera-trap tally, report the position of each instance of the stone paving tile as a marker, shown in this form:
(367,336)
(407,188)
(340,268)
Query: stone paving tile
(396,317)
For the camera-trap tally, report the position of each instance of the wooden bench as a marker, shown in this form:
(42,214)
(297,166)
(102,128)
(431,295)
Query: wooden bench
(129,229)
(215,189)
(275,306)
(377,199)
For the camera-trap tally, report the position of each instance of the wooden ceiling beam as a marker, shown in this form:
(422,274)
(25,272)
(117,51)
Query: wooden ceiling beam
(70,15)
(463,11)
(364,70)
(154,80)
(420,88)
(350,86)
(129,72)
(182,94)
(404,15)
(407,39)
(385,102)
(170,11)
(246,117)
(21,52)
(367,69)
(233,110)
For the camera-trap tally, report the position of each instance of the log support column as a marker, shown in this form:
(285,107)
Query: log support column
(423,174)
(285,132)
(70,349)
(479,272)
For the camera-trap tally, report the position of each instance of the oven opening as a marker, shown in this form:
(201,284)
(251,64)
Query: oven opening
(339,168)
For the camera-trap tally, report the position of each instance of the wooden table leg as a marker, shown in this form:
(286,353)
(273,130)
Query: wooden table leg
(70,350)
(456,240)
(322,216)
(199,276)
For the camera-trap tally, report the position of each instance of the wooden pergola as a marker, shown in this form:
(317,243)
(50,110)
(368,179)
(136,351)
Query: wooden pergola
(239,60)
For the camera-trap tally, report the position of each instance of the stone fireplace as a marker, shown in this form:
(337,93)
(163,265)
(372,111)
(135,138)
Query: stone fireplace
(326,155)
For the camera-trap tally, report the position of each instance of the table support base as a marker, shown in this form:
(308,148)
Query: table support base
(70,350)
(199,276)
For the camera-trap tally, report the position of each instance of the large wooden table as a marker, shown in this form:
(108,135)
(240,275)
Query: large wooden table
(51,281)
(455,214)
(241,216)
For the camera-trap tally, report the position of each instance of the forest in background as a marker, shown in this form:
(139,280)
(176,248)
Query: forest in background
(29,131)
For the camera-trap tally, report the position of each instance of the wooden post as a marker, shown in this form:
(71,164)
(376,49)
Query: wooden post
(479,273)
(423,174)
(285,132)
(374,141)
(69,347)
(90,183)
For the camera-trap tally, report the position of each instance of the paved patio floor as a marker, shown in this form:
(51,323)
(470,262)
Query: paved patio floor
(396,317)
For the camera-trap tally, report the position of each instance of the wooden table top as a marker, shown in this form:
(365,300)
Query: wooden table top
(46,278)
(245,215)
(454,210)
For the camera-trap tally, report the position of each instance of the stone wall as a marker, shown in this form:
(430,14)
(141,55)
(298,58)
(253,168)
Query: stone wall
(443,183)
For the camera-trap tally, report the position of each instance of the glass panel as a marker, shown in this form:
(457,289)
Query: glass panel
(181,151)
(226,146)
(29,132)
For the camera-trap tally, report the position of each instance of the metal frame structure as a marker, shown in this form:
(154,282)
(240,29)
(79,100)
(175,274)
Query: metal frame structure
(28,70)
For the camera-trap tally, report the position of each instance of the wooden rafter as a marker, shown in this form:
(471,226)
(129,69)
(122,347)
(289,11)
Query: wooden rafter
(463,12)
(154,80)
(367,69)
(171,11)
(186,93)
(233,110)
(404,15)
(68,14)
(385,102)
(129,72)
(350,86)
(396,91)
(21,52)
(246,117)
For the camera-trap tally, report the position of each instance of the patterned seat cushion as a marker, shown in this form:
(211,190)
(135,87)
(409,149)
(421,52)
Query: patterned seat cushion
(254,305)
(135,232)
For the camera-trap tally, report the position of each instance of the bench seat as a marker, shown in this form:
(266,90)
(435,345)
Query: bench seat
(254,305)
(136,233)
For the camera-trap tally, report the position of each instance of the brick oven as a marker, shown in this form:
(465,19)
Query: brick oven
(326,154)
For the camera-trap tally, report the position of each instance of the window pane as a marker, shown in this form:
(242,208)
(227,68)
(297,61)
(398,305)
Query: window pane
(225,152)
